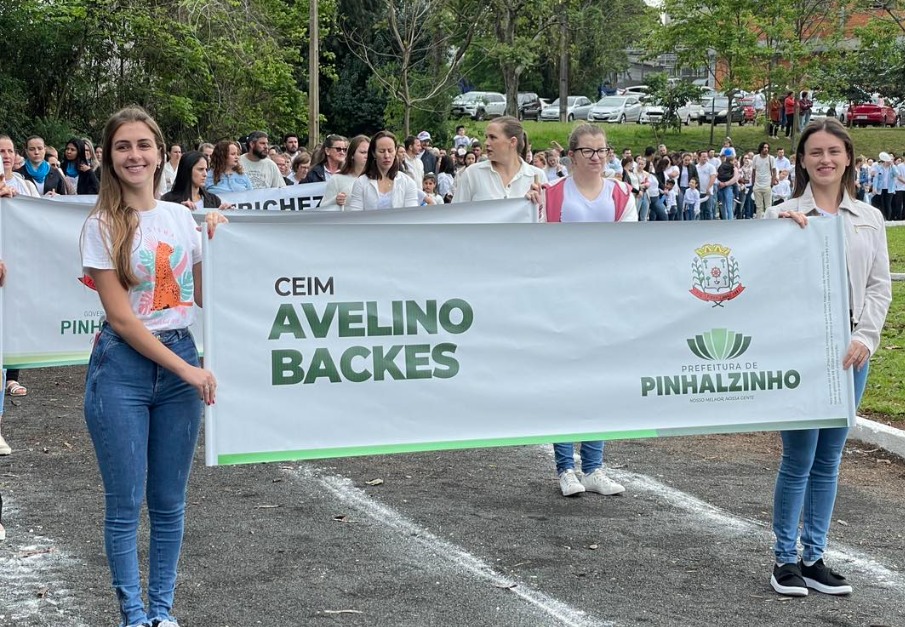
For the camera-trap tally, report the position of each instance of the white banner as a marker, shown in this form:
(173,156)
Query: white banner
(48,316)
(377,338)
(289,198)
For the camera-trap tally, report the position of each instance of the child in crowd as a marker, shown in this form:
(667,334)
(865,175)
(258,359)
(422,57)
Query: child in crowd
(429,187)
(782,191)
(670,198)
(692,200)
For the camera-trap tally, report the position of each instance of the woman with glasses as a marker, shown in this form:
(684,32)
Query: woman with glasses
(329,160)
(339,187)
(585,196)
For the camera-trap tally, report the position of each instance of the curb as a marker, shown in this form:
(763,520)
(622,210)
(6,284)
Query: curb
(888,438)
(897,276)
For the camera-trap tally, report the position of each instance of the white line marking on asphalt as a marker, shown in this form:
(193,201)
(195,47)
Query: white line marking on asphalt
(720,518)
(342,489)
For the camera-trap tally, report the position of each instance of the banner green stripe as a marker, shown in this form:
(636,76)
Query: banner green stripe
(46,360)
(829,423)
(417,447)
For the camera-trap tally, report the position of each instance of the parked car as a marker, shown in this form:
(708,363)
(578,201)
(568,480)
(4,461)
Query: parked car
(529,106)
(479,105)
(717,108)
(875,113)
(619,109)
(577,108)
(652,114)
(637,90)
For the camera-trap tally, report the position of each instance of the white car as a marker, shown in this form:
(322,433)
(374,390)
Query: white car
(479,105)
(576,109)
(619,109)
(651,114)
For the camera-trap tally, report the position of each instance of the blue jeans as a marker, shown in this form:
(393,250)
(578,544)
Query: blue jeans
(591,456)
(727,200)
(657,210)
(643,207)
(806,485)
(144,423)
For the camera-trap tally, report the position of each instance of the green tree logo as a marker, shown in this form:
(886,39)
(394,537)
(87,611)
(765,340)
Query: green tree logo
(719,344)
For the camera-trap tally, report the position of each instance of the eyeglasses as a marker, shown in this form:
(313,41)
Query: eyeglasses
(587,153)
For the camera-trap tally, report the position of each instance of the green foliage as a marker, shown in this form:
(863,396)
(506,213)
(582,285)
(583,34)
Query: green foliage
(670,96)
(204,71)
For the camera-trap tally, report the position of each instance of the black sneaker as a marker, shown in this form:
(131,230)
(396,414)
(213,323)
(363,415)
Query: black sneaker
(823,579)
(787,580)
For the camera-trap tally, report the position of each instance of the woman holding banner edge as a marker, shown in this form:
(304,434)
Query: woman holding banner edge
(144,388)
(807,481)
(585,196)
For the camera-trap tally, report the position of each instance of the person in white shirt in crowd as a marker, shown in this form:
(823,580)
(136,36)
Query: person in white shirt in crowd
(429,187)
(692,201)
(586,196)
(765,177)
(446,178)
(283,166)
(706,182)
(426,154)
(539,160)
(782,162)
(339,187)
(13,179)
(727,151)
(290,146)
(260,170)
(898,205)
(782,191)
(414,167)
(670,199)
(171,167)
(461,140)
(383,185)
(555,170)
(505,173)
(714,158)
(468,160)
(48,180)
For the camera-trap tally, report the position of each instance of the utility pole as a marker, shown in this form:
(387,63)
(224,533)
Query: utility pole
(314,105)
(564,65)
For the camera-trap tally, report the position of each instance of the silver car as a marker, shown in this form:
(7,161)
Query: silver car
(618,109)
(576,109)
(479,105)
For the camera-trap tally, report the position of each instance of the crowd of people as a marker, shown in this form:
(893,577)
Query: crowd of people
(144,377)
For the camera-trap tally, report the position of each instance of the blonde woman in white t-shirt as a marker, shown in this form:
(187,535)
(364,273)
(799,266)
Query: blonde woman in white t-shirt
(144,389)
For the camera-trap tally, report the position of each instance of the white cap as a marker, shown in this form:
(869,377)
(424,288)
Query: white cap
(885,156)
(424,136)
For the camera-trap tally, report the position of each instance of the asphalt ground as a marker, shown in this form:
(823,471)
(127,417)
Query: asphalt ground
(467,538)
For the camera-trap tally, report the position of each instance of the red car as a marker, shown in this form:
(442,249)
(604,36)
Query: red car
(873,113)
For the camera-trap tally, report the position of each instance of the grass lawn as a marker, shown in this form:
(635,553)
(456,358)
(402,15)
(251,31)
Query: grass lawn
(868,141)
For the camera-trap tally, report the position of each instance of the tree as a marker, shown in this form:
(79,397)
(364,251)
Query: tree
(405,48)
(670,96)
(695,30)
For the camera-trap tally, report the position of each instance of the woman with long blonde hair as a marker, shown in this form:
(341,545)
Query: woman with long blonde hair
(144,388)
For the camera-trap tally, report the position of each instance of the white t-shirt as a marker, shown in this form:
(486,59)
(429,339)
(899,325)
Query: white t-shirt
(706,177)
(165,249)
(262,173)
(169,176)
(22,185)
(577,208)
(763,171)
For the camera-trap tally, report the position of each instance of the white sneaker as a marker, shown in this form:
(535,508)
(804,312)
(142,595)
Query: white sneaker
(598,482)
(569,483)
(2,533)
(4,447)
